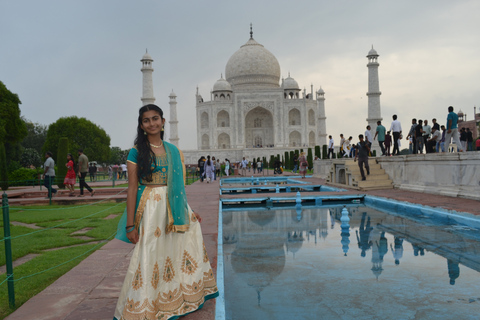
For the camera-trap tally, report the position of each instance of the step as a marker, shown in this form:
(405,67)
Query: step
(374,183)
(372,177)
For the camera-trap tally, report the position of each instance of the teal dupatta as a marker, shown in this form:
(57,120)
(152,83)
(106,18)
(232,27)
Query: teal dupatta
(177,207)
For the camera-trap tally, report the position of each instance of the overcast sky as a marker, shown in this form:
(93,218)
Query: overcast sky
(82,58)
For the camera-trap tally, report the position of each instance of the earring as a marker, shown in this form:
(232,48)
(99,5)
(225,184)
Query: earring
(145,132)
(163,128)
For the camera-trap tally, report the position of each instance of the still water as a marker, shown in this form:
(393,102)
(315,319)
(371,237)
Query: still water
(303,263)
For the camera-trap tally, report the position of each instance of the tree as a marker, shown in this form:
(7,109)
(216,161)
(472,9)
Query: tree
(287,161)
(310,158)
(30,157)
(3,168)
(317,152)
(61,160)
(118,155)
(81,134)
(36,136)
(325,152)
(12,127)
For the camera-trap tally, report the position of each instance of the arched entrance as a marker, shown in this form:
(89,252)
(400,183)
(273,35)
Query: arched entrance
(259,128)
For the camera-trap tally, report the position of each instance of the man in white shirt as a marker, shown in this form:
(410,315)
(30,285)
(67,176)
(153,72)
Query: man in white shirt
(124,171)
(432,142)
(396,129)
(330,147)
(243,165)
(368,135)
(49,174)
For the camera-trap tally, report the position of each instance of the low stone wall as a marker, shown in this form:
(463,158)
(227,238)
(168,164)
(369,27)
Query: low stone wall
(452,174)
(321,168)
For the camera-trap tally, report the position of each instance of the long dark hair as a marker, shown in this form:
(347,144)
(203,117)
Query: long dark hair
(209,163)
(73,160)
(145,154)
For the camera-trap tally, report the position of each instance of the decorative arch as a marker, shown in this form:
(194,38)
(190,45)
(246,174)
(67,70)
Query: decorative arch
(311,117)
(311,139)
(295,139)
(294,118)
(223,119)
(205,142)
(223,141)
(259,129)
(204,120)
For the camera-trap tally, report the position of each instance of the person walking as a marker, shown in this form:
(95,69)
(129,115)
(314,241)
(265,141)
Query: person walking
(330,147)
(295,163)
(70,178)
(218,168)
(303,164)
(169,274)
(83,168)
(227,167)
(243,166)
(388,143)
(209,170)
(49,174)
(380,132)
(254,165)
(396,129)
(201,167)
(363,149)
(452,130)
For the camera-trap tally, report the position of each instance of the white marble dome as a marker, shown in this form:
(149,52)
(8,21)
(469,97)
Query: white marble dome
(253,65)
(222,85)
(372,52)
(290,83)
(147,56)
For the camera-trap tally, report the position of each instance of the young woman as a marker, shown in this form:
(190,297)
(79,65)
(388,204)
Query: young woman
(71,177)
(303,164)
(227,167)
(169,273)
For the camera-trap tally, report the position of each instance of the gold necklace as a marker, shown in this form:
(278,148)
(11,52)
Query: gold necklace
(156,147)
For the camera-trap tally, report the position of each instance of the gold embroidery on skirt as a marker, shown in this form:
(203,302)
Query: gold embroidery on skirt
(205,255)
(155,276)
(193,218)
(186,298)
(157,197)
(189,265)
(169,272)
(141,206)
(158,232)
(137,279)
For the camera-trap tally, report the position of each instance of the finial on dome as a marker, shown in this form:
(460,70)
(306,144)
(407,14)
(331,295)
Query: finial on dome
(221,75)
(289,74)
(251,31)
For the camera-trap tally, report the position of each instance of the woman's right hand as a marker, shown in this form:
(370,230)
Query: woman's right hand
(133,236)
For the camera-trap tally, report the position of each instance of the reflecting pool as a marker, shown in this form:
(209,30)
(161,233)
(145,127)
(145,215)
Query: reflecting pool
(317,263)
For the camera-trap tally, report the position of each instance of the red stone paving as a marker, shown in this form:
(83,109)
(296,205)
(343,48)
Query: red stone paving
(90,290)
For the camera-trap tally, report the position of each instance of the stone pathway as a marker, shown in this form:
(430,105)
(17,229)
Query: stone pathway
(90,290)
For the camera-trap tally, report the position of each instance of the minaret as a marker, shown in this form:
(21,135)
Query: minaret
(173,119)
(321,122)
(147,69)
(373,94)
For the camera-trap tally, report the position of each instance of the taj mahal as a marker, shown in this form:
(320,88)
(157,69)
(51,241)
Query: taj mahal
(254,113)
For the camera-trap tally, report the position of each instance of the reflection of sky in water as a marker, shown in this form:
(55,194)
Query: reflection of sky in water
(301,264)
(259,181)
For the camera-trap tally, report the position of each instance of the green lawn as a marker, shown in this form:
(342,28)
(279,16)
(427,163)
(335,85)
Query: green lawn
(57,225)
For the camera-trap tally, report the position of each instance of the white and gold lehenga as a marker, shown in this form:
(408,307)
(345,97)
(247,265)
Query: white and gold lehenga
(169,273)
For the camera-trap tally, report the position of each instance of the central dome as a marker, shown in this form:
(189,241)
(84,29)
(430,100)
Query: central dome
(253,65)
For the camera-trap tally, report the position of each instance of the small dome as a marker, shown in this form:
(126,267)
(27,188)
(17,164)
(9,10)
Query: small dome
(172,94)
(222,85)
(290,83)
(146,56)
(460,112)
(372,52)
(320,91)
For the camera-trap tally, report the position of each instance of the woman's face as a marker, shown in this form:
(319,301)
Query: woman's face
(69,157)
(152,122)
